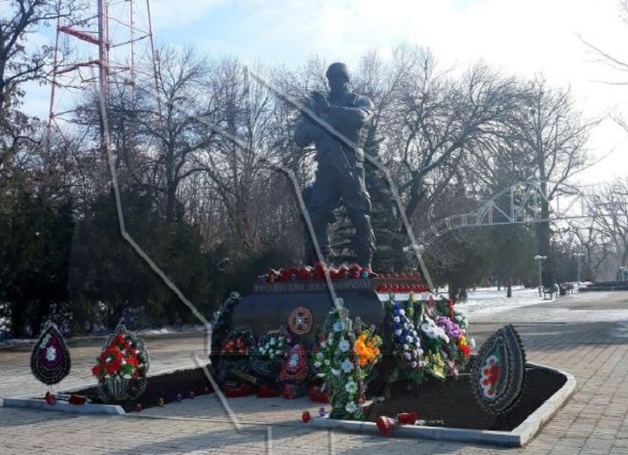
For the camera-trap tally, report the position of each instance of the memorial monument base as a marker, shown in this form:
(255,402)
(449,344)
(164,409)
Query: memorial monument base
(277,303)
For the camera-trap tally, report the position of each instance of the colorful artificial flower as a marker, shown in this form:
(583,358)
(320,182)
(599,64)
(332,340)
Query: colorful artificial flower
(452,330)
(429,328)
(344,346)
(367,348)
(51,353)
(406,340)
(351,407)
(347,366)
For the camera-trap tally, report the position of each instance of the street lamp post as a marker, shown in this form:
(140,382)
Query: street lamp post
(578,256)
(540,260)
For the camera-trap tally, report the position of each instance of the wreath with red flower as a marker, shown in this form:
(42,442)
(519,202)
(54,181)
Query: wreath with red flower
(124,362)
(235,353)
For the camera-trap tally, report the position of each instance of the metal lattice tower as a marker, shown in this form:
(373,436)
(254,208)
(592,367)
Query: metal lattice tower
(97,50)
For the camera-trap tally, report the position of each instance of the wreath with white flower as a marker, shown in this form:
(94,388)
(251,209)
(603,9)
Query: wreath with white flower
(338,364)
(272,346)
(270,352)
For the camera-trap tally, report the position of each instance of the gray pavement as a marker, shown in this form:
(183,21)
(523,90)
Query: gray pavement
(584,334)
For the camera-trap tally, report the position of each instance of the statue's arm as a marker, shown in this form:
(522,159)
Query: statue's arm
(305,132)
(356,116)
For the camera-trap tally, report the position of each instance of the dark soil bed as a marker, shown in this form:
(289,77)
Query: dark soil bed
(166,386)
(452,404)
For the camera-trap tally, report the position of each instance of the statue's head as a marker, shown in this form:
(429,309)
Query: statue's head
(338,76)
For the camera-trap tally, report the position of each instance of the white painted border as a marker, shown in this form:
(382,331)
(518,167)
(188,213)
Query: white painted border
(515,438)
(63,406)
(87,408)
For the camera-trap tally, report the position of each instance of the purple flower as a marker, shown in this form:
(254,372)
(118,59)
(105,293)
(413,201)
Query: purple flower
(452,329)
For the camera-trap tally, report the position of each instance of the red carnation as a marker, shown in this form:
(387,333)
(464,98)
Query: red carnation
(119,340)
(113,367)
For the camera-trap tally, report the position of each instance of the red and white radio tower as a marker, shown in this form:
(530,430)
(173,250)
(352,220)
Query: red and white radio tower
(100,48)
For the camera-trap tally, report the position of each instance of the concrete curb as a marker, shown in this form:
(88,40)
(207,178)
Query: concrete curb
(535,421)
(87,408)
(515,438)
(62,406)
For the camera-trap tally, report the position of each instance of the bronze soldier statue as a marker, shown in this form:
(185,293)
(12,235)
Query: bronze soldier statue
(335,124)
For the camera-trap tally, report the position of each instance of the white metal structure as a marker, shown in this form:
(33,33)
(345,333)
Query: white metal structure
(517,204)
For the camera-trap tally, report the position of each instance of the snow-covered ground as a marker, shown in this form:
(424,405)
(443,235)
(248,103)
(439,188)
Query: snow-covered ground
(481,302)
(490,305)
(490,300)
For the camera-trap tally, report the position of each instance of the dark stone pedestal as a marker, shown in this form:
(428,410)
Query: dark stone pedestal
(264,312)
(270,305)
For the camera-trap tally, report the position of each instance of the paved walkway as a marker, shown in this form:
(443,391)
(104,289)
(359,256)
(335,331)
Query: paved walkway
(585,334)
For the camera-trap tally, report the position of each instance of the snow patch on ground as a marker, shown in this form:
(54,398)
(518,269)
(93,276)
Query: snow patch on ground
(490,300)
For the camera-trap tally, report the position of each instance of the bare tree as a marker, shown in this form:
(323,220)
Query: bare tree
(552,135)
(20,64)
(249,132)
(436,118)
(609,207)
(595,250)
(158,128)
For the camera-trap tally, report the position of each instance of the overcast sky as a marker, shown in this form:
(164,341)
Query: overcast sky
(522,37)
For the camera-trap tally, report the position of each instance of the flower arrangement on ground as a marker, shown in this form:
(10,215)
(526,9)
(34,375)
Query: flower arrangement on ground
(235,353)
(407,343)
(237,344)
(457,351)
(121,367)
(272,346)
(270,352)
(344,361)
(429,337)
(367,348)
